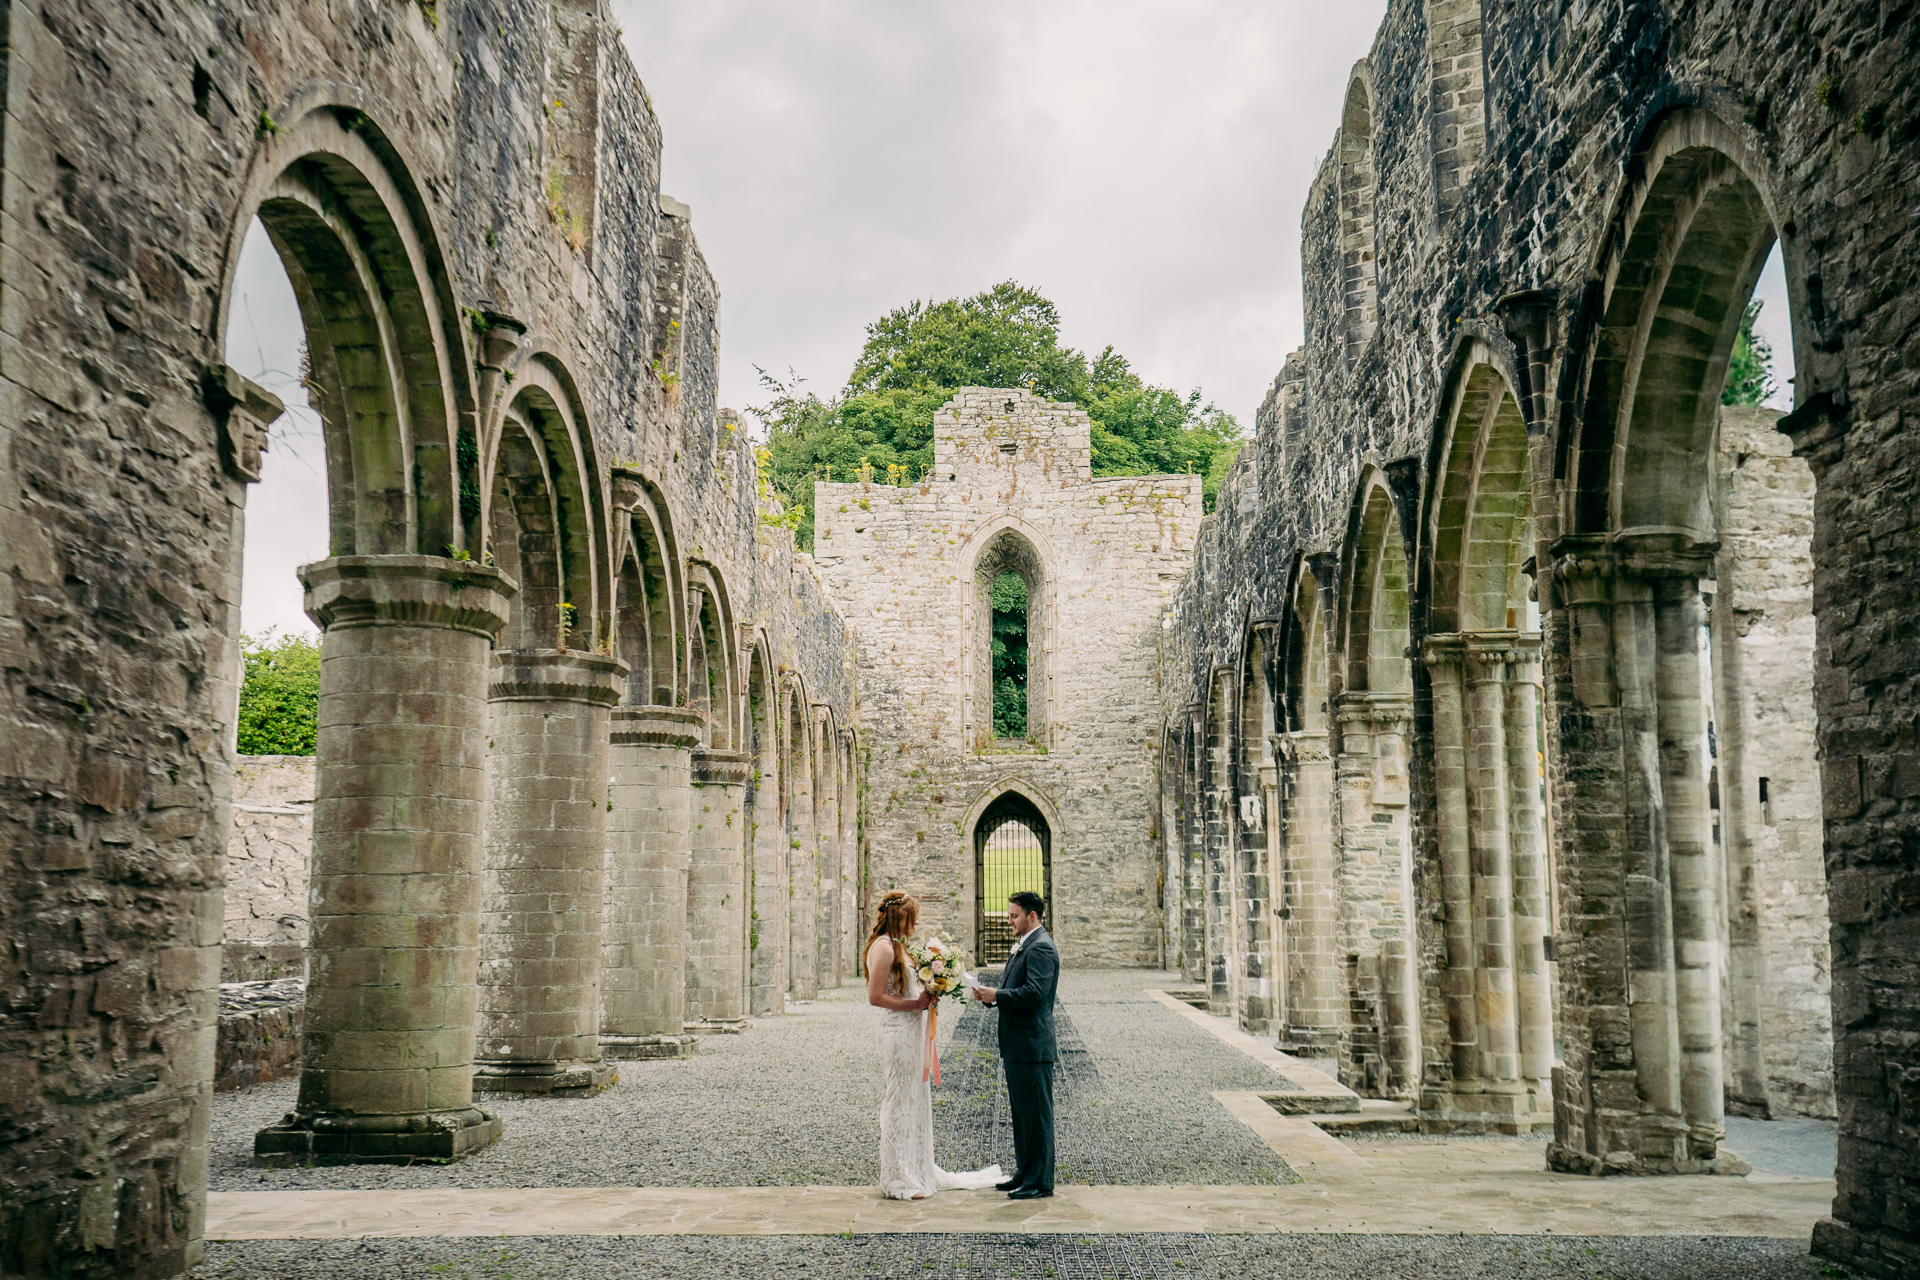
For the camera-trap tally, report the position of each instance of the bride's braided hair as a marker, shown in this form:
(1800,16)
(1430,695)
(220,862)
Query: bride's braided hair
(894,918)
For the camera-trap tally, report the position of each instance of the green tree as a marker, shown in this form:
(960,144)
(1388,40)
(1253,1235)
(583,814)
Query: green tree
(917,356)
(1750,368)
(279,694)
(1009,656)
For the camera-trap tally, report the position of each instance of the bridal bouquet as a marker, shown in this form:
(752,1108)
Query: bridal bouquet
(942,967)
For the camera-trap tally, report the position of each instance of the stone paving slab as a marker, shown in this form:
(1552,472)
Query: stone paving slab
(1423,1190)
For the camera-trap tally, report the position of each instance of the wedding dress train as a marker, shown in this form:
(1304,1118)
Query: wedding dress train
(907,1170)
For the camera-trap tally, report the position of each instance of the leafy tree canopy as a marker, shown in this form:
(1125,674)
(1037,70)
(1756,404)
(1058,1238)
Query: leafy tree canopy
(1750,368)
(917,356)
(279,694)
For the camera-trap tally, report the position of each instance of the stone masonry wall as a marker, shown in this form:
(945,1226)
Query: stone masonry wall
(901,564)
(1504,179)
(266,928)
(497,167)
(1779,1008)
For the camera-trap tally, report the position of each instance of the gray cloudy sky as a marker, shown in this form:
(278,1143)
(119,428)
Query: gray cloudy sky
(1141,162)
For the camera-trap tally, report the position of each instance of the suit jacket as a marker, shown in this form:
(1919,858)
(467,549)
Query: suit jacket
(1025,1000)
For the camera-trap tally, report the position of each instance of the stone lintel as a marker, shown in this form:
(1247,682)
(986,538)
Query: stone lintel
(376,1139)
(641,1048)
(407,591)
(555,1079)
(656,726)
(555,675)
(722,767)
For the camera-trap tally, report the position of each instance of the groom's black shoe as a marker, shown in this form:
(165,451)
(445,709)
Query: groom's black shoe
(1029,1193)
(1008,1185)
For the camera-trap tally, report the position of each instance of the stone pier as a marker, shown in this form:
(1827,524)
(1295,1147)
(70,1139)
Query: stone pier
(387,1054)
(540,924)
(716,978)
(643,969)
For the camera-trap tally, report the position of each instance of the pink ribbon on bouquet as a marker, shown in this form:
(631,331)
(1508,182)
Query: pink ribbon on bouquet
(930,1067)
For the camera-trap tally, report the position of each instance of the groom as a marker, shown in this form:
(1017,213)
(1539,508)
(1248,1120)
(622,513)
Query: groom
(1026,1044)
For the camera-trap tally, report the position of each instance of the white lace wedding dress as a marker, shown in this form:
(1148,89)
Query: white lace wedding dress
(907,1170)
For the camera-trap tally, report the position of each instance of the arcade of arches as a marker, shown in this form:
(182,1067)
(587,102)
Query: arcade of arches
(1526,741)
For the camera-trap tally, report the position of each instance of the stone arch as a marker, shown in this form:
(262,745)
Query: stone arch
(1223,915)
(826,807)
(1480,511)
(650,602)
(403,626)
(799,823)
(1015,790)
(389,374)
(713,666)
(1308,894)
(542,526)
(1483,672)
(1644,576)
(1373,632)
(853,871)
(1006,544)
(1373,727)
(1691,236)
(1255,795)
(1357,257)
(767,886)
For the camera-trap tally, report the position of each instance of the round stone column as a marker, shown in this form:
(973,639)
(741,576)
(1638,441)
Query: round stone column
(644,958)
(717,894)
(386,1070)
(544,869)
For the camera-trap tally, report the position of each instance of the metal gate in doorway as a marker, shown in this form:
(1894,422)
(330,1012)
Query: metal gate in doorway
(1013,851)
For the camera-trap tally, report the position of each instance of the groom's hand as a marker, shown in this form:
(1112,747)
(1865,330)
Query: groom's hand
(984,995)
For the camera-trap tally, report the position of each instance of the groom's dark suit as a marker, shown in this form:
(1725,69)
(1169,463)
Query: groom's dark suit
(1027,1051)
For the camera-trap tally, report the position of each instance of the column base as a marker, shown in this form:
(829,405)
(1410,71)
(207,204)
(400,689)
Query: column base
(554,1079)
(1503,1110)
(1882,1251)
(719,1027)
(640,1048)
(438,1137)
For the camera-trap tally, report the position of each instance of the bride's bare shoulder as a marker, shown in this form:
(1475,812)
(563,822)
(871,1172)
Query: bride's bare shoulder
(882,945)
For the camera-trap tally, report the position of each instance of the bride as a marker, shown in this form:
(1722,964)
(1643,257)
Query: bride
(907,1170)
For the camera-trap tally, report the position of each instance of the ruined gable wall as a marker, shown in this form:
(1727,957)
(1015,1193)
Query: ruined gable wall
(130,140)
(899,562)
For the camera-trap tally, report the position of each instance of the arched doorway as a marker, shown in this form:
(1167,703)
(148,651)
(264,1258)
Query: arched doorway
(1012,852)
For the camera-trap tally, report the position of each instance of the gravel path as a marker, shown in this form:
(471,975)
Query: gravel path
(794,1101)
(1132,1104)
(1022,1257)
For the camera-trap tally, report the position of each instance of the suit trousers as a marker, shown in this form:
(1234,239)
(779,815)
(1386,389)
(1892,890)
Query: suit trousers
(1030,1102)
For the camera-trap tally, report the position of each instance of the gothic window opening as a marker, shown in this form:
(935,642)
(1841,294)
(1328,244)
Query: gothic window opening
(1008,621)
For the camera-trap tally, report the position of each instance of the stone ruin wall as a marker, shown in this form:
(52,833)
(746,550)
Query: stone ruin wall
(502,161)
(1476,212)
(266,930)
(901,562)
